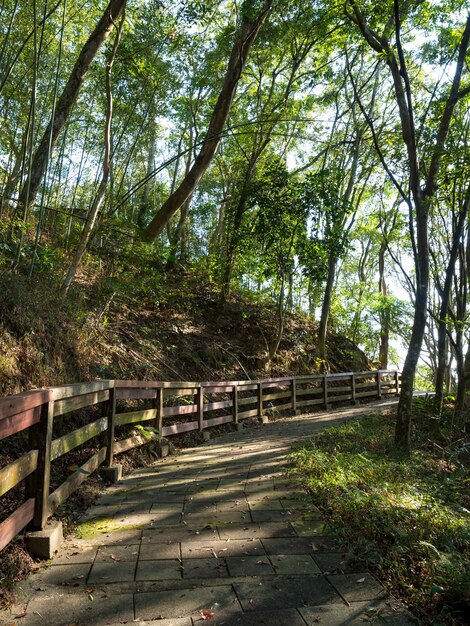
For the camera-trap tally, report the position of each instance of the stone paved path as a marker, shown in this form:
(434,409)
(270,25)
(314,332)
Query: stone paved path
(214,535)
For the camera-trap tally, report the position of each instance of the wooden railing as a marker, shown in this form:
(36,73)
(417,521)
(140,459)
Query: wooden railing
(174,407)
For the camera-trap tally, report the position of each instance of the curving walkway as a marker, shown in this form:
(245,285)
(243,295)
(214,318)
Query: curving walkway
(213,535)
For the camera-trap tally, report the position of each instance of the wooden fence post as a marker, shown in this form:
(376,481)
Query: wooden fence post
(158,405)
(235,404)
(397,382)
(379,385)
(325,392)
(293,393)
(200,408)
(109,437)
(39,484)
(353,389)
(260,399)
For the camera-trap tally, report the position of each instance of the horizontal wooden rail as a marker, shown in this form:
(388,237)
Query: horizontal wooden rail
(184,406)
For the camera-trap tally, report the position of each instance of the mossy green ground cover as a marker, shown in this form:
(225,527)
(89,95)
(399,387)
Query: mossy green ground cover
(406,515)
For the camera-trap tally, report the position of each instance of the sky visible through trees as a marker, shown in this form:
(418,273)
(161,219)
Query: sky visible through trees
(311,153)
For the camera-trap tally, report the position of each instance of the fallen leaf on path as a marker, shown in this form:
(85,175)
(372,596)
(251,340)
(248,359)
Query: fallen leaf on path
(360,580)
(207,614)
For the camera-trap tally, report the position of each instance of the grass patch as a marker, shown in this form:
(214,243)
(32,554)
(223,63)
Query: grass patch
(406,515)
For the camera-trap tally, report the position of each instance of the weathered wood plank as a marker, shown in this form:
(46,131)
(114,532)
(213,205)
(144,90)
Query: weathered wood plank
(75,480)
(72,440)
(169,411)
(133,442)
(276,396)
(310,402)
(309,392)
(243,415)
(12,405)
(171,393)
(216,421)
(15,472)
(15,423)
(137,384)
(110,427)
(214,406)
(38,484)
(135,394)
(247,387)
(175,429)
(346,396)
(218,388)
(13,524)
(282,382)
(79,389)
(370,384)
(245,401)
(333,390)
(339,375)
(133,417)
(79,402)
(366,394)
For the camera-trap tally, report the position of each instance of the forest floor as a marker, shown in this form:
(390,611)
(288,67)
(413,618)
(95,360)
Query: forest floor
(406,515)
(177,329)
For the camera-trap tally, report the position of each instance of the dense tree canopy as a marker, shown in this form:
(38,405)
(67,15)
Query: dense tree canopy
(312,152)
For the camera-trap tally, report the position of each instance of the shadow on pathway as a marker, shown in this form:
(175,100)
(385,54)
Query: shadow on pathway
(215,535)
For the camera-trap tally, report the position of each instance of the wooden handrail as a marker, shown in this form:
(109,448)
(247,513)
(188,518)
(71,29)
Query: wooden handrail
(36,410)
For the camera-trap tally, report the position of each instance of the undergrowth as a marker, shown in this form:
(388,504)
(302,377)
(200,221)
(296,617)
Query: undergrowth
(406,515)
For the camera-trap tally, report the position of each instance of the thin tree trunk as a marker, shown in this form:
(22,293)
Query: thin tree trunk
(66,101)
(325,310)
(445,297)
(100,195)
(245,38)
(384,312)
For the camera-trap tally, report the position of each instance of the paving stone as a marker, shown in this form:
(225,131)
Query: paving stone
(270,504)
(274,516)
(308,528)
(235,547)
(286,617)
(184,602)
(79,609)
(357,587)
(294,564)
(178,533)
(203,519)
(74,554)
(292,503)
(64,575)
(155,551)
(296,545)
(112,572)
(259,531)
(233,505)
(183,621)
(285,592)
(118,553)
(249,566)
(106,538)
(205,568)
(168,518)
(337,563)
(158,570)
(166,507)
(359,613)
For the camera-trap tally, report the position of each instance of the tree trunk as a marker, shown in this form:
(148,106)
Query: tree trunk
(384,312)
(66,101)
(245,38)
(445,297)
(100,195)
(325,311)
